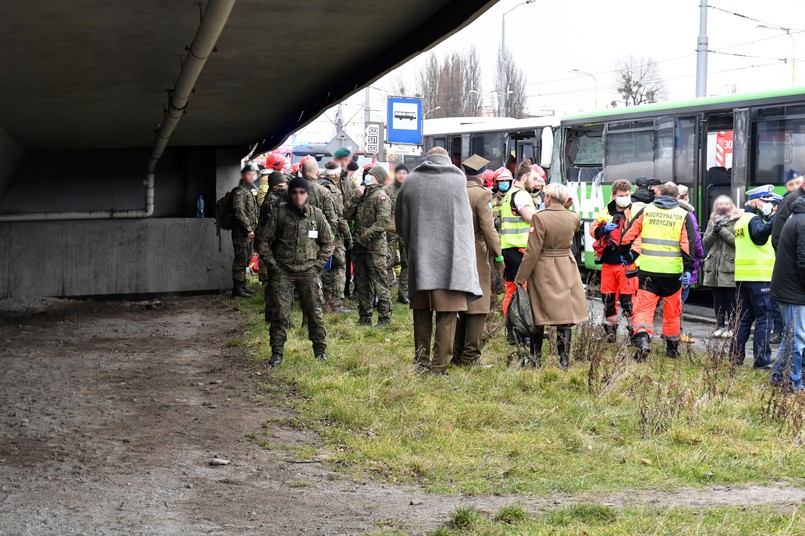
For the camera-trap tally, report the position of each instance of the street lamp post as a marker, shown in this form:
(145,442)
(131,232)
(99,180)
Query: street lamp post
(591,75)
(502,82)
(431,111)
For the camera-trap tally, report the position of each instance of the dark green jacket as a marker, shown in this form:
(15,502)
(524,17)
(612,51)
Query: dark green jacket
(244,205)
(372,220)
(297,240)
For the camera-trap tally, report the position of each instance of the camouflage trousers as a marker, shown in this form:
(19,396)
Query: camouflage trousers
(334,279)
(281,285)
(243,252)
(396,245)
(372,277)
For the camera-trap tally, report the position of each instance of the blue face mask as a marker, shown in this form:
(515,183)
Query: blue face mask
(367,181)
(504,186)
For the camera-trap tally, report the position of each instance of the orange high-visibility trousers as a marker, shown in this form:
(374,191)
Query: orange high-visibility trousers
(671,313)
(511,288)
(615,286)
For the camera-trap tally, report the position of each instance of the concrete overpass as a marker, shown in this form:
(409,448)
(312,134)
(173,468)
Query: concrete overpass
(115,117)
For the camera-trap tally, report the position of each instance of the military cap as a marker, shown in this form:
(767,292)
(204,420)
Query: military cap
(276,178)
(475,165)
(249,167)
(764,193)
(343,152)
(380,173)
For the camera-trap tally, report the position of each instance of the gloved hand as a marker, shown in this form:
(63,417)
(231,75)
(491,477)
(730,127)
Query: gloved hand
(716,228)
(611,226)
(685,279)
(627,259)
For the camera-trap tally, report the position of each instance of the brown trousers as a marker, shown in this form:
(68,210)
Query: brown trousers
(469,338)
(443,339)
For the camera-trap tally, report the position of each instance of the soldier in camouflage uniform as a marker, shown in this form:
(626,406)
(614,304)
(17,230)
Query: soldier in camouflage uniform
(277,193)
(334,279)
(296,243)
(371,252)
(244,212)
(396,243)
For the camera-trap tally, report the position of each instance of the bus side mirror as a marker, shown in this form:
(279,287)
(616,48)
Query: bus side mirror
(546,153)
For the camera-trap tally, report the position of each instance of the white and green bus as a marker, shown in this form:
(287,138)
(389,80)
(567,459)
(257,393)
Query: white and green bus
(502,141)
(713,145)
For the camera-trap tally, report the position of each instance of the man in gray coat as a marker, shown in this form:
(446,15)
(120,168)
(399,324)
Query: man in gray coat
(434,218)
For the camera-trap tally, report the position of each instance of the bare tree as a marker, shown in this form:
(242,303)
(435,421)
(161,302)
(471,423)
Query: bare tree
(451,88)
(516,98)
(399,86)
(639,81)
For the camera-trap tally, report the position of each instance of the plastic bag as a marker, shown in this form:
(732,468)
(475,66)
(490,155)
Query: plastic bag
(519,315)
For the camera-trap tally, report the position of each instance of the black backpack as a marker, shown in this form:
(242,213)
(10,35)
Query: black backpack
(224,213)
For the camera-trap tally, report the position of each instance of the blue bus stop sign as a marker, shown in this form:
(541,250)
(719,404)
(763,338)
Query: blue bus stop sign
(404,120)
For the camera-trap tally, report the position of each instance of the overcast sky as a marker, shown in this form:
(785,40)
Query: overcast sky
(548,38)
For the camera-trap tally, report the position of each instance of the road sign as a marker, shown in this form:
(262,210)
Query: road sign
(340,140)
(405,120)
(405,150)
(373,139)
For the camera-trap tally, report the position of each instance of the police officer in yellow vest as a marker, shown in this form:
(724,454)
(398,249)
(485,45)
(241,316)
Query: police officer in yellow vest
(754,264)
(662,234)
(516,211)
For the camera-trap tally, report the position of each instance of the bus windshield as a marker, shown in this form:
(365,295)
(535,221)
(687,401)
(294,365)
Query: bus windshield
(585,148)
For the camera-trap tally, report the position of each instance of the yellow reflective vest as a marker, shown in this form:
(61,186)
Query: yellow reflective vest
(752,262)
(661,252)
(513,228)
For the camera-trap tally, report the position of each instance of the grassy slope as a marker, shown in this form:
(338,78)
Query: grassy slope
(506,430)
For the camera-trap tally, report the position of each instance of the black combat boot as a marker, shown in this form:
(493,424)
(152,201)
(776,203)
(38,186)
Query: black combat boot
(239,290)
(535,346)
(365,321)
(642,343)
(321,357)
(276,360)
(610,333)
(383,322)
(672,349)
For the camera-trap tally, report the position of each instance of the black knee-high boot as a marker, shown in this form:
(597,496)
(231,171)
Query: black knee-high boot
(563,337)
(536,346)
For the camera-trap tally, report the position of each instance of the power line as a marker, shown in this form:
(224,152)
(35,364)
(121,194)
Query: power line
(783,60)
(747,17)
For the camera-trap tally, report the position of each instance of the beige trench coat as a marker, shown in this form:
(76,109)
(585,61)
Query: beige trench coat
(487,243)
(554,284)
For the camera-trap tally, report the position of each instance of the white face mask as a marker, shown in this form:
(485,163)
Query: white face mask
(623,202)
(766,209)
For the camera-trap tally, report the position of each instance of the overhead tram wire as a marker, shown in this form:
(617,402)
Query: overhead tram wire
(747,17)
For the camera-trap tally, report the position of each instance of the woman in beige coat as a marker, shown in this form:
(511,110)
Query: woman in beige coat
(554,284)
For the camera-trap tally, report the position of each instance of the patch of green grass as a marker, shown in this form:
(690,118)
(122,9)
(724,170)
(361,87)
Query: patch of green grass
(584,519)
(507,430)
(297,485)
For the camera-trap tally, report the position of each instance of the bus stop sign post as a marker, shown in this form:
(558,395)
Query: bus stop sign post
(404,120)
(373,141)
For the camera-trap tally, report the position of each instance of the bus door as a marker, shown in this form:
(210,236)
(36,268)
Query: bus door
(715,166)
(527,149)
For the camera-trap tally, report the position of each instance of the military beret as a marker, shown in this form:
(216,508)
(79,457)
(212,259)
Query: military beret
(343,152)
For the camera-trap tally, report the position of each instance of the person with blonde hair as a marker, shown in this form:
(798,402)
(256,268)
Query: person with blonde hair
(719,265)
(553,281)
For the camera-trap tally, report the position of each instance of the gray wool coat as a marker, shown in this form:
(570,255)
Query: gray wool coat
(719,264)
(434,219)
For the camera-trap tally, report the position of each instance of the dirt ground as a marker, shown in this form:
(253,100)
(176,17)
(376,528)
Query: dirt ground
(111,412)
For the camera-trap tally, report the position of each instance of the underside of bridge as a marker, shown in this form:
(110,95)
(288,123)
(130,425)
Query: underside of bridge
(94,125)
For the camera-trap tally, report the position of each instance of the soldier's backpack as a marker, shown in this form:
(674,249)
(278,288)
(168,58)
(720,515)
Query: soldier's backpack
(224,213)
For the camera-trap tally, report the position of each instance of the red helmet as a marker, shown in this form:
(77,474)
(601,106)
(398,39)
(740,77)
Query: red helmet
(489,178)
(503,174)
(538,174)
(275,161)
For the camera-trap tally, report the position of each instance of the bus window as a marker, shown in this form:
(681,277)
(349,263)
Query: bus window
(585,148)
(629,155)
(778,144)
(455,151)
(685,151)
(490,145)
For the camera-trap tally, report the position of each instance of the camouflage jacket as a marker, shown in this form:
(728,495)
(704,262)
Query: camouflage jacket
(267,209)
(347,187)
(392,189)
(244,206)
(338,201)
(497,200)
(297,240)
(372,220)
(320,198)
